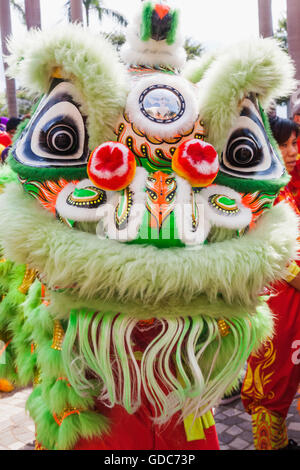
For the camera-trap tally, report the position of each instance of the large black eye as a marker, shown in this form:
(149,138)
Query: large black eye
(248,152)
(56,135)
(243,149)
(62,138)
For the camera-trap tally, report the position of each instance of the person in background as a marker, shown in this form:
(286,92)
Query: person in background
(273,373)
(294,184)
(296,117)
(6,137)
(3,122)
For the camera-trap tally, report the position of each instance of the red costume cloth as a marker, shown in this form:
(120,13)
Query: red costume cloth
(273,373)
(5,139)
(138,432)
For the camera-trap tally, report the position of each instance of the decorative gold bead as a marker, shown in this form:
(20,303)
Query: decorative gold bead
(29,277)
(224,328)
(58,336)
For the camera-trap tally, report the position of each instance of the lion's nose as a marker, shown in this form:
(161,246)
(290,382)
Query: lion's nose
(196,161)
(111,166)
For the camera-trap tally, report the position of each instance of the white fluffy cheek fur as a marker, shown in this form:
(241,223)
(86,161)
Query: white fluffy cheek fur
(79,213)
(107,226)
(218,216)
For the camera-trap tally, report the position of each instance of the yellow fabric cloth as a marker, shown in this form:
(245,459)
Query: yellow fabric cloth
(293,271)
(194,427)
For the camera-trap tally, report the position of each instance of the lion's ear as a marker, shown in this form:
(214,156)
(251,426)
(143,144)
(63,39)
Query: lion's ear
(259,68)
(195,69)
(84,59)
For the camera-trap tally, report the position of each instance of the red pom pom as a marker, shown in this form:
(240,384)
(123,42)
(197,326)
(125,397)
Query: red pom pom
(111,166)
(196,161)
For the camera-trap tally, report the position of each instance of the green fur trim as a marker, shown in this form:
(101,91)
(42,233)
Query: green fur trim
(7,175)
(57,392)
(42,174)
(87,424)
(12,320)
(234,271)
(251,185)
(146,28)
(53,396)
(171,37)
(46,427)
(258,66)
(87,60)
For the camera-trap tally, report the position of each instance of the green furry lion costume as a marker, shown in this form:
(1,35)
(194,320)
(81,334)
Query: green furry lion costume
(144,206)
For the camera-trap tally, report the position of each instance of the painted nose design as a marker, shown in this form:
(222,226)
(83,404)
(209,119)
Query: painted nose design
(197,162)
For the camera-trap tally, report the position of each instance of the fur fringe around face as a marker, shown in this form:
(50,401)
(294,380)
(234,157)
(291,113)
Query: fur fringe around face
(186,367)
(234,270)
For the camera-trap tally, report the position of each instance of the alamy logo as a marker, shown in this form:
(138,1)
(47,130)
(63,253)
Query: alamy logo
(296,353)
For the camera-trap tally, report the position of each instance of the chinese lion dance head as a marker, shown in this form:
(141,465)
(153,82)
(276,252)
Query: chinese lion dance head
(145,203)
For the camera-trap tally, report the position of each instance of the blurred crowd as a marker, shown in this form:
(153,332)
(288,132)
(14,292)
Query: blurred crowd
(8,128)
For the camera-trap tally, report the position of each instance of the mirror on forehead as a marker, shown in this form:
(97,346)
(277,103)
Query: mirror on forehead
(162,104)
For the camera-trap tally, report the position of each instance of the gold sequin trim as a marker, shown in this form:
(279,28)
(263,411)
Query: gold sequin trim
(29,277)
(58,336)
(224,328)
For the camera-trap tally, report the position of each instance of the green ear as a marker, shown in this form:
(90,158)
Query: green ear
(171,38)
(146,22)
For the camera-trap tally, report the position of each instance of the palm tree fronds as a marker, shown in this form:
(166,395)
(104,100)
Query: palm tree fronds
(19,9)
(116,15)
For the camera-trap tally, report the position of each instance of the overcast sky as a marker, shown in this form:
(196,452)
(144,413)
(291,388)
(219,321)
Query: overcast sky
(211,22)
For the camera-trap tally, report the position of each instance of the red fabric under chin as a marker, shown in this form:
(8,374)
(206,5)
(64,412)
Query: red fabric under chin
(137,432)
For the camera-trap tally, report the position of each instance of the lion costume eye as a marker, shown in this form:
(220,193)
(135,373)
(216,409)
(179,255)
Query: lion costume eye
(248,152)
(56,135)
(62,138)
(244,149)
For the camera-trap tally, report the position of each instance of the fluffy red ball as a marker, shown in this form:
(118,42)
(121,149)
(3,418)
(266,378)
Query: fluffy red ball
(111,166)
(196,161)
